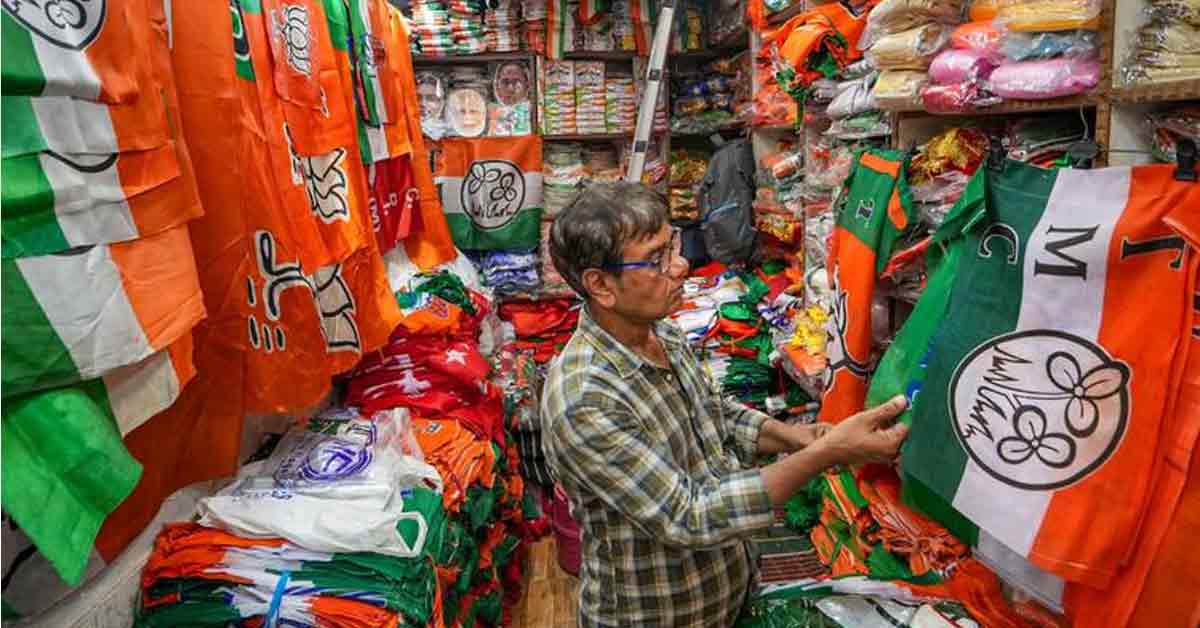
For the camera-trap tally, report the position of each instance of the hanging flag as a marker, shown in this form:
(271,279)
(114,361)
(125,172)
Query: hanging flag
(589,12)
(76,49)
(491,191)
(49,435)
(54,202)
(77,316)
(875,207)
(395,201)
(431,244)
(1045,387)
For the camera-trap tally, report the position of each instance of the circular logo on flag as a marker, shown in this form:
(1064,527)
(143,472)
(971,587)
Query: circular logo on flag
(66,23)
(492,192)
(1040,410)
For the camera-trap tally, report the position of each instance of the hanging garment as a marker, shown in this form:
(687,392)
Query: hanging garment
(816,44)
(491,190)
(875,208)
(1026,421)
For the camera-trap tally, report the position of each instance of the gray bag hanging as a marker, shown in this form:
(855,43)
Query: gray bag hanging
(727,204)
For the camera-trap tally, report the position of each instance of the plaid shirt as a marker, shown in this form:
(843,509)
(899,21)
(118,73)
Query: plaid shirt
(654,461)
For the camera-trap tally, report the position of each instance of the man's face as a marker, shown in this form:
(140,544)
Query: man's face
(431,100)
(512,86)
(470,109)
(648,294)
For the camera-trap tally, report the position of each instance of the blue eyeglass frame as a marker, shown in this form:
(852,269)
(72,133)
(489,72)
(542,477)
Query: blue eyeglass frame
(675,239)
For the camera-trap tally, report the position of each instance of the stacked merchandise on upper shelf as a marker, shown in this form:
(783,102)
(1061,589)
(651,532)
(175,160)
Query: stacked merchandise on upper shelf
(1167,47)
(712,96)
(477,100)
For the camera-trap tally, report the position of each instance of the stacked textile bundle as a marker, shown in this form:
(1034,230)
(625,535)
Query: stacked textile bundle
(558,98)
(533,28)
(620,103)
(959,75)
(1051,48)
(503,22)
(901,39)
(340,526)
(432,32)
(590,95)
(687,169)
(433,366)
(542,327)
(509,272)
(466,24)
(565,174)
(717,95)
(1168,44)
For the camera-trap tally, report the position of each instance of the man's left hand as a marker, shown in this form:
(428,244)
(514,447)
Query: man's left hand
(800,436)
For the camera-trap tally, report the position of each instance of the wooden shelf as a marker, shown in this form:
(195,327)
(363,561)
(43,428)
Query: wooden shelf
(1018,106)
(588,137)
(600,55)
(1151,92)
(775,127)
(491,57)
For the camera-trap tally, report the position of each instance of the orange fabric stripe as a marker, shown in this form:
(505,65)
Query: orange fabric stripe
(122,75)
(1094,559)
(879,164)
(159,276)
(169,203)
(848,391)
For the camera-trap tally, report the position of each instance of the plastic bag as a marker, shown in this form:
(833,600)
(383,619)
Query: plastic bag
(957,66)
(1186,11)
(912,49)
(853,98)
(982,37)
(893,16)
(950,98)
(1049,15)
(334,486)
(1040,80)
(1025,46)
(899,90)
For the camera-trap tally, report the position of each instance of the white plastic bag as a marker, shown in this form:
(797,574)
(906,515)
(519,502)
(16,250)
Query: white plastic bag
(334,486)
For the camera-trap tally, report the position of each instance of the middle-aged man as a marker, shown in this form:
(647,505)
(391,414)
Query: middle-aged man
(660,469)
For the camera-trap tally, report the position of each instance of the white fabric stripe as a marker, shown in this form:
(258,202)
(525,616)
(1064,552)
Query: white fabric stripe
(140,391)
(1013,569)
(90,206)
(377,140)
(75,126)
(84,299)
(67,72)
(452,185)
(1079,199)
(364,13)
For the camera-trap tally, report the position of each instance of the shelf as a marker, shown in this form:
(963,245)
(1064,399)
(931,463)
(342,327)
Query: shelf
(1152,92)
(490,57)
(588,137)
(1018,106)
(725,130)
(775,127)
(600,55)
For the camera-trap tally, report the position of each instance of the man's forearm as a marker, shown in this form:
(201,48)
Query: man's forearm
(774,438)
(786,477)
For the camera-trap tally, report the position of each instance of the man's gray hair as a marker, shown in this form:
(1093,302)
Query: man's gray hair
(592,231)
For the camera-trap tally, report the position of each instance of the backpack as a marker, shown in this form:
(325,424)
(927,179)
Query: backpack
(726,200)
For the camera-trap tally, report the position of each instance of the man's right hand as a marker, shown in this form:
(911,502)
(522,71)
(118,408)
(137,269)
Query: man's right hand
(870,436)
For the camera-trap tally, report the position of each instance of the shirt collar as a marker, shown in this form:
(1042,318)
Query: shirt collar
(624,359)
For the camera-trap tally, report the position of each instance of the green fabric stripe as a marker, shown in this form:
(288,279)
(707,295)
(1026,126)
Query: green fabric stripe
(339,27)
(19,67)
(918,496)
(241,43)
(933,454)
(523,232)
(362,41)
(22,133)
(33,355)
(28,223)
(65,469)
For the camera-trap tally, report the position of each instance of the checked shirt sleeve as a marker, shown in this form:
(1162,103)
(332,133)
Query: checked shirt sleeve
(604,450)
(744,425)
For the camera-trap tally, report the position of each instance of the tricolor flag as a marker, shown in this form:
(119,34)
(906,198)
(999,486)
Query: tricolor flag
(1048,379)
(875,207)
(48,436)
(84,50)
(78,315)
(32,124)
(54,202)
(491,191)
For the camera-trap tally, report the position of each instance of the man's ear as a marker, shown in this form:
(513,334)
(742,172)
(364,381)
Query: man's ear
(601,287)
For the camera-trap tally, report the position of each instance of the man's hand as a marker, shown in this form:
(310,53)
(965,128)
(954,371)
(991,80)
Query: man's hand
(869,436)
(801,436)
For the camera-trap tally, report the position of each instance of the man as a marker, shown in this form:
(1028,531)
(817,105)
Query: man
(658,466)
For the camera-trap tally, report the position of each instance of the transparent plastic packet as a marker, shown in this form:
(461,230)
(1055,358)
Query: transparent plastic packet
(1186,11)
(1166,128)
(894,16)
(853,97)
(958,66)
(899,90)
(1045,78)
(911,49)
(1048,15)
(1022,46)
(982,37)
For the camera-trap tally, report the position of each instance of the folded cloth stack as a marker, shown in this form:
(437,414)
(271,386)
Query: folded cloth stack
(1050,49)
(1172,125)
(502,23)
(1168,44)
(902,38)
(687,170)
(553,283)
(466,24)
(432,33)
(590,93)
(601,164)
(542,327)
(510,272)
(533,26)
(558,112)
(563,176)
(620,103)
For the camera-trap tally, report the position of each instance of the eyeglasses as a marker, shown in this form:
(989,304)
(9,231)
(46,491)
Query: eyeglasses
(660,261)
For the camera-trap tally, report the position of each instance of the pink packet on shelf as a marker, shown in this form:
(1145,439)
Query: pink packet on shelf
(956,66)
(1044,79)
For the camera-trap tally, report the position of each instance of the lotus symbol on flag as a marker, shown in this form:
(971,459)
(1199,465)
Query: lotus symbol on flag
(293,28)
(836,350)
(492,193)
(1041,409)
(66,23)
